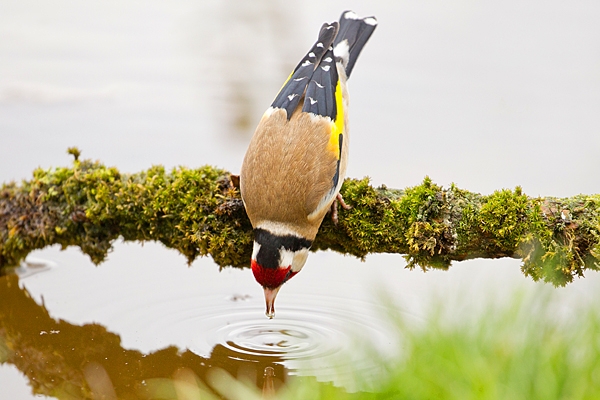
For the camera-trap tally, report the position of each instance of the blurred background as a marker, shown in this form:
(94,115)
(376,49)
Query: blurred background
(487,95)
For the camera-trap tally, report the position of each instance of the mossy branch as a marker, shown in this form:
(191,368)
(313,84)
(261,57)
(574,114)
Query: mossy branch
(199,212)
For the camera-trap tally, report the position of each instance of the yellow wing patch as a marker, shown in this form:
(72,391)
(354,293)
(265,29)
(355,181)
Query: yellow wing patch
(337,126)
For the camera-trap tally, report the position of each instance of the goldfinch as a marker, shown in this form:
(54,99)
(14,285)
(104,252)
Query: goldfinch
(296,161)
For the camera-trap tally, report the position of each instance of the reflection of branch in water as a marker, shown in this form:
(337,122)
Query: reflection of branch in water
(70,361)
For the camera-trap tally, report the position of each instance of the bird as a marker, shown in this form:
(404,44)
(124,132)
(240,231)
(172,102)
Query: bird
(296,161)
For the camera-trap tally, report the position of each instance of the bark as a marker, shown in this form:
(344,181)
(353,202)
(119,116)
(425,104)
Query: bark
(199,212)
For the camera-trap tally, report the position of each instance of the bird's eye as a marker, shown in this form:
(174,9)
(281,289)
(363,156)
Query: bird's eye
(289,275)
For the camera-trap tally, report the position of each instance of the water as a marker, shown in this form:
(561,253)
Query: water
(149,319)
(484,95)
(214,320)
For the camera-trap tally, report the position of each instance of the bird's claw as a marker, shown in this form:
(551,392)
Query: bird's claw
(334,207)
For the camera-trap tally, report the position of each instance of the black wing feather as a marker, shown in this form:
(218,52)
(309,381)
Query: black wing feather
(320,94)
(291,93)
(356,31)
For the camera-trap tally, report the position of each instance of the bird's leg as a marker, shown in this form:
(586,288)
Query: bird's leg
(334,207)
(342,202)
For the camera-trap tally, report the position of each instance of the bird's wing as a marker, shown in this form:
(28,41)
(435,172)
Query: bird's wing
(293,89)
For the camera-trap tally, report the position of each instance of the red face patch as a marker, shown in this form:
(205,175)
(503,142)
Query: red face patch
(271,277)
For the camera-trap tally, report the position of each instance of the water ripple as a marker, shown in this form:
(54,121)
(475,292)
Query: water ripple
(306,337)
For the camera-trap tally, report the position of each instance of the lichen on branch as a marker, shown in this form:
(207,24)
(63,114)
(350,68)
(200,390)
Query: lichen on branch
(199,212)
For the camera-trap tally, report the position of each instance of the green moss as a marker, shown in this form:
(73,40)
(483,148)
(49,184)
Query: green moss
(199,212)
(566,243)
(360,223)
(510,224)
(384,220)
(421,210)
(494,224)
(90,205)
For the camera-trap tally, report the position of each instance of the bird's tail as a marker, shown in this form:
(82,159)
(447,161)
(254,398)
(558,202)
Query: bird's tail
(351,38)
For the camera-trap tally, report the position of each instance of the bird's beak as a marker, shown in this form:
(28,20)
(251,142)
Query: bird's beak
(270,295)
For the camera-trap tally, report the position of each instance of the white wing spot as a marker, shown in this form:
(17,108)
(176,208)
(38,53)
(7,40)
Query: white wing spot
(307,63)
(318,84)
(320,44)
(328,59)
(326,68)
(370,21)
(312,101)
(315,118)
(300,79)
(291,96)
(269,111)
(350,15)
(311,54)
(342,50)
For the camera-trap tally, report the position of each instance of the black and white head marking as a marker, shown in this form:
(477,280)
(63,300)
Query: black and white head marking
(275,250)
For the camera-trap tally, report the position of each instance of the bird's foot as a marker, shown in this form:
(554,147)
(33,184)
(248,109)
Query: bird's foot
(334,207)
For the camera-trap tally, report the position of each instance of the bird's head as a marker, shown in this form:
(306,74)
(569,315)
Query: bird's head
(276,259)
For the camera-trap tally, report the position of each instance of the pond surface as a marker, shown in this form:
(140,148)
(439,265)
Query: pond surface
(485,95)
(148,321)
(127,325)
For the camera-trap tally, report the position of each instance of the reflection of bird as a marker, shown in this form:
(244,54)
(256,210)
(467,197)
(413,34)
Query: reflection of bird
(296,161)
